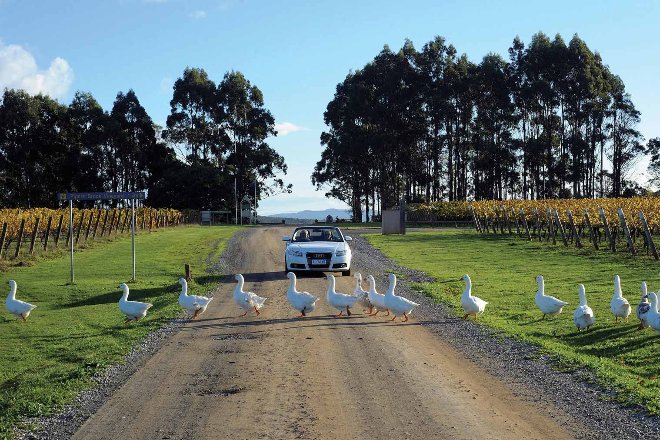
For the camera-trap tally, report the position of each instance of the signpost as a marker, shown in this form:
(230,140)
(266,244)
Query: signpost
(70,197)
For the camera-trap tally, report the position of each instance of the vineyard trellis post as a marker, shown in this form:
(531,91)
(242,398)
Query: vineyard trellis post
(608,233)
(524,221)
(2,238)
(578,243)
(560,227)
(626,231)
(592,233)
(551,227)
(538,223)
(50,221)
(34,235)
(649,238)
(20,238)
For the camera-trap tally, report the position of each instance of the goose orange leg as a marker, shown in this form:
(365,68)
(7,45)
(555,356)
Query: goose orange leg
(196,314)
(340,313)
(393,318)
(348,312)
(388,312)
(244,314)
(374,313)
(256,310)
(23,317)
(406,316)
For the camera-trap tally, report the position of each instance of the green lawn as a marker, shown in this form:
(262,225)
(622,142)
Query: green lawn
(503,271)
(77,330)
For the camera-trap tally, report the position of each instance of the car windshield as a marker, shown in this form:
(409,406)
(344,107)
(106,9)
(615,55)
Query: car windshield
(317,234)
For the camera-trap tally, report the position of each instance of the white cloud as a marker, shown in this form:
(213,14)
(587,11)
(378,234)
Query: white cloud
(285,128)
(197,14)
(19,70)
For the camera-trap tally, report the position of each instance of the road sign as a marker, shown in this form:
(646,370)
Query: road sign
(62,197)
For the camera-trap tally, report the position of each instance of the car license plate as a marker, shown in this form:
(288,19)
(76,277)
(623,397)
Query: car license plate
(319,261)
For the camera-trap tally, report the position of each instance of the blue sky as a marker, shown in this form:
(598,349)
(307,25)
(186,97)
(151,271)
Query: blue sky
(296,52)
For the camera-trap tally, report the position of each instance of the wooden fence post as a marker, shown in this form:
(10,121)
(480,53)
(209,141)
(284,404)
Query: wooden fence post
(89,224)
(2,238)
(34,235)
(515,220)
(20,238)
(186,268)
(552,233)
(112,222)
(578,242)
(80,225)
(105,222)
(592,233)
(626,231)
(647,232)
(474,219)
(58,231)
(524,222)
(560,227)
(123,224)
(50,221)
(608,233)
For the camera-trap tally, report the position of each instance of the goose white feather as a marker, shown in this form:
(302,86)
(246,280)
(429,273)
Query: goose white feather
(397,304)
(472,305)
(134,310)
(15,306)
(653,315)
(376,299)
(583,317)
(549,305)
(340,301)
(619,306)
(247,300)
(363,295)
(194,304)
(304,302)
(643,307)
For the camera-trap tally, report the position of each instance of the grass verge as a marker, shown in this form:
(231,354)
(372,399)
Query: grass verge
(503,271)
(77,330)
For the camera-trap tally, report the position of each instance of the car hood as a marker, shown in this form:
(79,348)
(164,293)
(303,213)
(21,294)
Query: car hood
(318,246)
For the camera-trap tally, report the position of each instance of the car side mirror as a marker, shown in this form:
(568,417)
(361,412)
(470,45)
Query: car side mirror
(286,238)
(348,238)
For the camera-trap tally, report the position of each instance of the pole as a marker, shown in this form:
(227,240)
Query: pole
(133,233)
(71,235)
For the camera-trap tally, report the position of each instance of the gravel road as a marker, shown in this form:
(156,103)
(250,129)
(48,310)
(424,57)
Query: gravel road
(275,376)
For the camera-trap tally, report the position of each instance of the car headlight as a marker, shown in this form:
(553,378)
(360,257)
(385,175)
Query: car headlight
(341,253)
(294,252)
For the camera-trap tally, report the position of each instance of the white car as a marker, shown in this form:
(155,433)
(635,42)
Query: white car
(317,248)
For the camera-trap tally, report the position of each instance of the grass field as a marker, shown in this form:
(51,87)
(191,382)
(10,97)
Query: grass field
(503,272)
(77,330)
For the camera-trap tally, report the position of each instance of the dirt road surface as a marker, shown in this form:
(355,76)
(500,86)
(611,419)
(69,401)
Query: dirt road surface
(321,377)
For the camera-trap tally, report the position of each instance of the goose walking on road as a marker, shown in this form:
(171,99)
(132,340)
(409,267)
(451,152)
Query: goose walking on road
(194,304)
(247,300)
(397,304)
(304,302)
(362,294)
(15,306)
(376,299)
(339,301)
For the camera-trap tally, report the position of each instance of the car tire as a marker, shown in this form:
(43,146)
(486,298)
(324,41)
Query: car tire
(346,273)
(286,269)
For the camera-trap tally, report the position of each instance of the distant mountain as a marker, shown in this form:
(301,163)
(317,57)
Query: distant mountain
(314,215)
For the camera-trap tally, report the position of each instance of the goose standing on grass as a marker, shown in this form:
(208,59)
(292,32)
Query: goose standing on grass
(619,305)
(194,304)
(643,307)
(363,295)
(15,306)
(134,310)
(471,304)
(549,305)
(339,301)
(653,315)
(304,302)
(583,317)
(247,300)
(397,304)
(376,299)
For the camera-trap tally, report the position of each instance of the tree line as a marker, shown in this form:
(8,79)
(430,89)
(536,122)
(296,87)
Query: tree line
(429,125)
(212,148)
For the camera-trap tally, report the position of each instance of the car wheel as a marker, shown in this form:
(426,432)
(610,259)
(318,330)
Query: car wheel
(286,269)
(346,273)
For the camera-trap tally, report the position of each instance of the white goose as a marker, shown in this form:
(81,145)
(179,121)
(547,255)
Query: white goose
(362,294)
(549,305)
(583,317)
(643,307)
(471,304)
(653,315)
(134,310)
(619,305)
(194,304)
(247,300)
(376,299)
(304,302)
(15,306)
(397,304)
(339,301)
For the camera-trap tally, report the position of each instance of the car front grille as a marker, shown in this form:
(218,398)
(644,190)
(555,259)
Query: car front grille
(318,256)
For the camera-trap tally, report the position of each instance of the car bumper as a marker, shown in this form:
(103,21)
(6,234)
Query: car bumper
(305,264)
